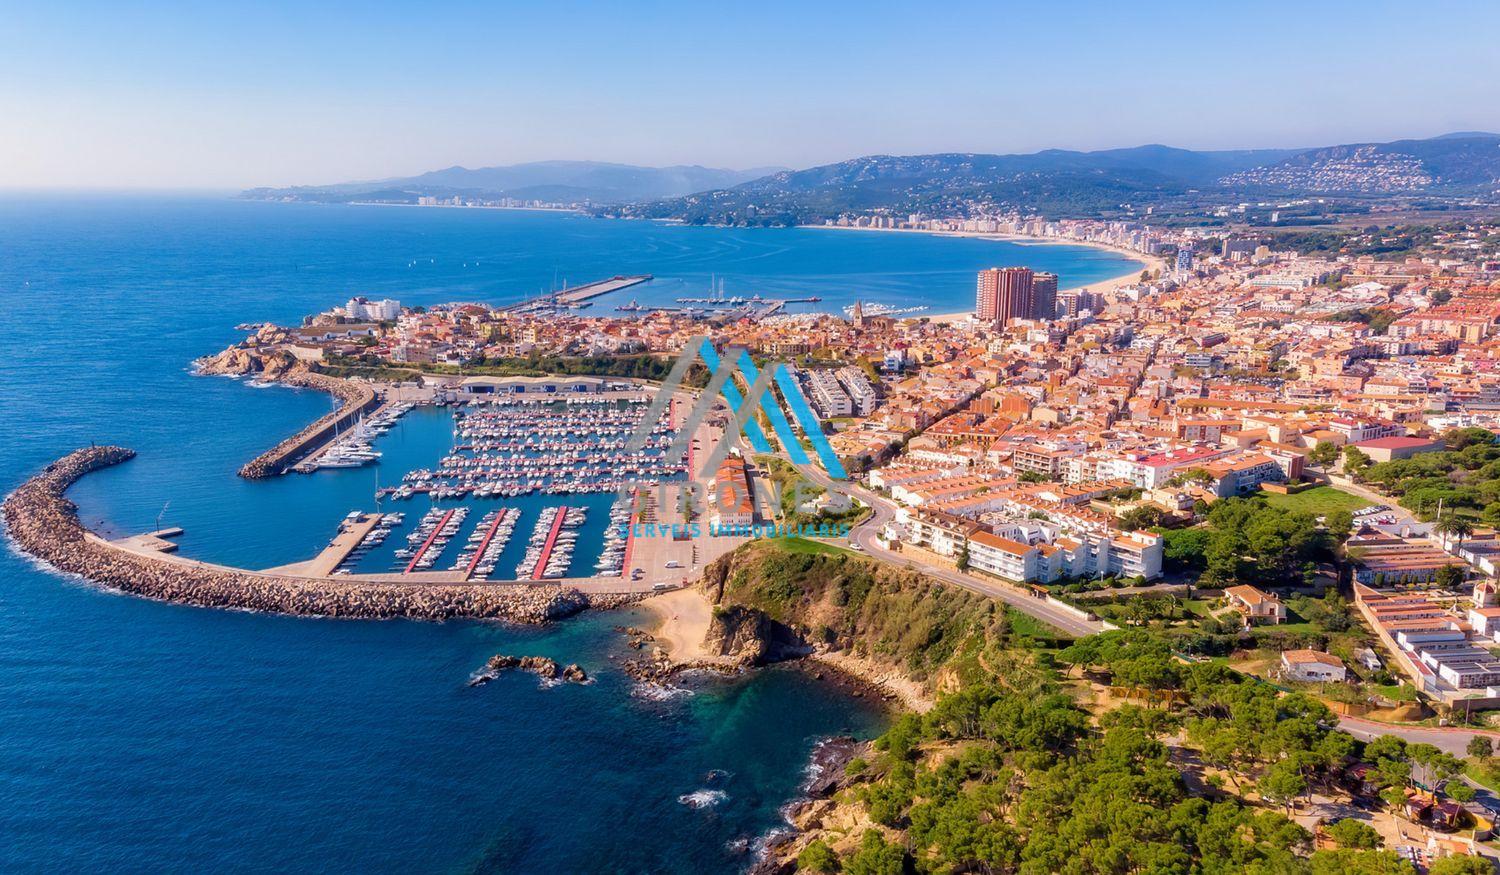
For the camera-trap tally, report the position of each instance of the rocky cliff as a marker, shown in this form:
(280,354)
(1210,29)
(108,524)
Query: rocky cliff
(910,634)
(751,638)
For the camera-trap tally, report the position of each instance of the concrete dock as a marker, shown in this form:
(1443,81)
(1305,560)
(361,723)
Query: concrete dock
(358,399)
(577,294)
(153,541)
(322,565)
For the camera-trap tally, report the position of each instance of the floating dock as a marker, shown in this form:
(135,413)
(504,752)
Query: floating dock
(541,561)
(427,544)
(483,545)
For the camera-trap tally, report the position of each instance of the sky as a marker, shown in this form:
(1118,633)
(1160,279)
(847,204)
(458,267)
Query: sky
(226,96)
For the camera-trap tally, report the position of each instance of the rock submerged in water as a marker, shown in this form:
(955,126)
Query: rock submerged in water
(542,666)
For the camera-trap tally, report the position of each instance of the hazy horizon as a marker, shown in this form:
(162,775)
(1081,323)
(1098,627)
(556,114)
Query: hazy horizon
(181,98)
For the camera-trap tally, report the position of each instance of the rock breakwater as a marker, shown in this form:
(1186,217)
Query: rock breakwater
(357,398)
(44,523)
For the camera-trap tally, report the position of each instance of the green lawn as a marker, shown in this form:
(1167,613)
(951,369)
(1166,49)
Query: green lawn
(1482,772)
(1396,692)
(1025,624)
(1318,501)
(804,545)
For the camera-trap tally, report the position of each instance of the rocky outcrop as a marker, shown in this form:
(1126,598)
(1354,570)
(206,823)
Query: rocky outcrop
(541,666)
(749,637)
(850,613)
(257,356)
(827,774)
(44,524)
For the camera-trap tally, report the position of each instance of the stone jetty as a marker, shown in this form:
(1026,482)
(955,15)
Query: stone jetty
(357,399)
(45,524)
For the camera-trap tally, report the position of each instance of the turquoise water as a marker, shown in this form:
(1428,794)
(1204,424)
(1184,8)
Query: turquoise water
(149,737)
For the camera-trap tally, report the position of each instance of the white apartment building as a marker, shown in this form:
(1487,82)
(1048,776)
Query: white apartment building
(827,396)
(861,393)
(384,310)
(1118,554)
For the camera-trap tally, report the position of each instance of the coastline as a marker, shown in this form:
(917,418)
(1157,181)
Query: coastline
(43,524)
(1145,262)
(680,625)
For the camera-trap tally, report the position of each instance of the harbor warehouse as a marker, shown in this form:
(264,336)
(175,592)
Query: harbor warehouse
(530,385)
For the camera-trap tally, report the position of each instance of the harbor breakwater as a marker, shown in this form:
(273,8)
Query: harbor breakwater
(44,524)
(357,399)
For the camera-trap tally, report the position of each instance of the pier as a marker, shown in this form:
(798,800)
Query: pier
(350,535)
(573,295)
(557,524)
(358,399)
(156,540)
(489,536)
(427,544)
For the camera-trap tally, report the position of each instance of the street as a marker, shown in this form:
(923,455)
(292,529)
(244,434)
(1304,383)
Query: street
(884,511)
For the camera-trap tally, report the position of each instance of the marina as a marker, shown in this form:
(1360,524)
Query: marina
(505,448)
(488,469)
(549,553)
(431,537)
(575,297)
(359,533)
(352,447)
(487,543)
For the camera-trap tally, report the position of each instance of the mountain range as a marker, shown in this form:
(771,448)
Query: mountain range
(550,181)
(1062,183)
(1053,182)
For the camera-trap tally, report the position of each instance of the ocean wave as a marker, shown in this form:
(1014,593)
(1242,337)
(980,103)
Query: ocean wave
(703,798)
(653,692)
(774,837)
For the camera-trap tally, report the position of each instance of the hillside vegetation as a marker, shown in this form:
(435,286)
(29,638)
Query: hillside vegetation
(934,634)
(1109,755)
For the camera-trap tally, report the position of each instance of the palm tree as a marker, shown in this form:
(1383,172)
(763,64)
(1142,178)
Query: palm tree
(1455,525)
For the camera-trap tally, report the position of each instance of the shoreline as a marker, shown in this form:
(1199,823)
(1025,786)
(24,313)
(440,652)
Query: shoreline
(680,623)
(43,524)
(1145,261)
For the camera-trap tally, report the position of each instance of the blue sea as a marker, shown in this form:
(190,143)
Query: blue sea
(147,737)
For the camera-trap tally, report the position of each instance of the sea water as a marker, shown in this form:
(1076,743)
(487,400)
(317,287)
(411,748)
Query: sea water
(140,736)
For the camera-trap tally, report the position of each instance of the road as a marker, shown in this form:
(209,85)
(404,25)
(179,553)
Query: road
(1402,516)
(1447,739)
(884,511)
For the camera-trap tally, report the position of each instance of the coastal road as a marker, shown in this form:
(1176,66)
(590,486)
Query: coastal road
(884,511)
(1449,739)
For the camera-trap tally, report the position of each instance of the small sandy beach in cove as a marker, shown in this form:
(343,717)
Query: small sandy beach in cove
(681,620)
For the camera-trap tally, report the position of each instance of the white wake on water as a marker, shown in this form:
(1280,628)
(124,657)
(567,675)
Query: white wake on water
(703,798)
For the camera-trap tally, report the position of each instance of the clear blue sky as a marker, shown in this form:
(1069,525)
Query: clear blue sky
(192,95)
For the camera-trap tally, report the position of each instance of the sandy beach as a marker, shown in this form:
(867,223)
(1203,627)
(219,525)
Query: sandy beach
(1148,262)
(681,623)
